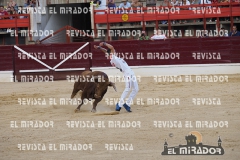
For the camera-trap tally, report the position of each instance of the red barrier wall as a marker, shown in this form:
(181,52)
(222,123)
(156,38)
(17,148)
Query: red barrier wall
(52,54)
(183,51)
(226,47)
(6,58)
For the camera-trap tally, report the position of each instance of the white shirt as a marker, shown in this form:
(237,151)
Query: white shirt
(119,63)
(205,2)
(162,36)
(174,3)
(187,3)
(21,17)
(101,7)
(128,5)
(225,34)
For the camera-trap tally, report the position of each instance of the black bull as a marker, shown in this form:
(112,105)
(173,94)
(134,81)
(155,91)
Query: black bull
(93,85)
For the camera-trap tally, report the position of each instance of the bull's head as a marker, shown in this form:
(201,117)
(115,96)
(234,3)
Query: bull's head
(101,87)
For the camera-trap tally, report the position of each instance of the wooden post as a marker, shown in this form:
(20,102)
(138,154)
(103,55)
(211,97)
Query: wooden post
(169,23)
(194,34)
(29,27)
(16,30)
(143,26)
(231,13)
(108,28)
(156,21)
(218,25)
(68,36)
(204,18)
(183,32)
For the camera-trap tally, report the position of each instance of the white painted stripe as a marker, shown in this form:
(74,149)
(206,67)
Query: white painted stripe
(5,72)
(32,57)
(70,55)
(69,69)
(39,70)
(103,68)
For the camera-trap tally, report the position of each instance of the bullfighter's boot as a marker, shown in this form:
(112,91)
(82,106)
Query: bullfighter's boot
(117,107)
(127,107)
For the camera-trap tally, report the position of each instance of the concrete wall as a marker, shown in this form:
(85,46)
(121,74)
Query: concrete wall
(6,76)
(55,22)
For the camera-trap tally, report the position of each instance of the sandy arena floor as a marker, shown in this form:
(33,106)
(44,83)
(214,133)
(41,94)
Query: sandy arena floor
(145,138)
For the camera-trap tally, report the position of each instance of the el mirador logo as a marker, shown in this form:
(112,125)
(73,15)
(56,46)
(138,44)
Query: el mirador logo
(194,146)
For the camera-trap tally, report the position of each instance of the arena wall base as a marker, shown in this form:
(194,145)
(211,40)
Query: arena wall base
(6,76)
(148,71)
(194,69)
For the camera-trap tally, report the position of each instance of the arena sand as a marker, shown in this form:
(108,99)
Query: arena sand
(147,140)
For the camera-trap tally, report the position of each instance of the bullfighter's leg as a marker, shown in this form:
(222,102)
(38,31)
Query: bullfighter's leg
(134,92)
(126,91)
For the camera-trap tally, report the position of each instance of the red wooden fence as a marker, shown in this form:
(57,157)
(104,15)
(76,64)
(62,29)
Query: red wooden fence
(15,21)
(136,53)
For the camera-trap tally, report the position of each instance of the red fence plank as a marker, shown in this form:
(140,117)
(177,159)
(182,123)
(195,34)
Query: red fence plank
(6,61)
(6,22)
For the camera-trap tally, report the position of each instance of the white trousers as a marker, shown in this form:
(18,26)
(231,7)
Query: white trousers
(130,84)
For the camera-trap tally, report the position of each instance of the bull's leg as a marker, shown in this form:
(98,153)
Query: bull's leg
(79,106)
(75,89)
(84,93)
(95,104)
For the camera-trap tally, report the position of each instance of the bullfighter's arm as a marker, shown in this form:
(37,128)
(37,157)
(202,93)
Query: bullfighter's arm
(102,49)
(109,46)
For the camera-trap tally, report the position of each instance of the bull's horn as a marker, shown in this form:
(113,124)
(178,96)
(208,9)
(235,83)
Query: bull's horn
(113,85)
